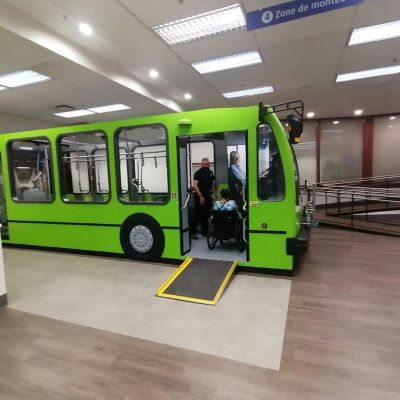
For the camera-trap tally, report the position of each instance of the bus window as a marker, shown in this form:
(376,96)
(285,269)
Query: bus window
(30,170)
(143,160)
(84,167)
(271,179)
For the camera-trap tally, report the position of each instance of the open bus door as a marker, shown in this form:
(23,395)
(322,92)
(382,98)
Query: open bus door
(3,208)
(184,163)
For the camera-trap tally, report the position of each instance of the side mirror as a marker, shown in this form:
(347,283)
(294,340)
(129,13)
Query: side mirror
(295,128)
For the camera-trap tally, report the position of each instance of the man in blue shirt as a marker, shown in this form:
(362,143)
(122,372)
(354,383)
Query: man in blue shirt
(236,176)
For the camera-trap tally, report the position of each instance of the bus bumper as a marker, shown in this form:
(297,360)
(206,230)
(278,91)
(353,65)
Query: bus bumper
(299,244)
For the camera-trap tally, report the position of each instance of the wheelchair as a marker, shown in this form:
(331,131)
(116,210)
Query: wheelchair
(225,225)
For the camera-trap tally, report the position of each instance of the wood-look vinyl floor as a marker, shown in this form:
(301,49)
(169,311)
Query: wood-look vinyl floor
(342,341)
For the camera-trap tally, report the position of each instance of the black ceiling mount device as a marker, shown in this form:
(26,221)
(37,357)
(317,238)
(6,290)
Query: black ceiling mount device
(295,121)
(297,106)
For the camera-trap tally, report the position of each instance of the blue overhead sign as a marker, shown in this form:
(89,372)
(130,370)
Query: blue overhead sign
(293,10)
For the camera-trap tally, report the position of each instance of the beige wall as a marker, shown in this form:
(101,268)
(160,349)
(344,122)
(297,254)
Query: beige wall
(341,150)
(386,148)
(306,153)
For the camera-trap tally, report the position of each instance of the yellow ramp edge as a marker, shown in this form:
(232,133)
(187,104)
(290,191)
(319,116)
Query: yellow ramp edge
(182,267)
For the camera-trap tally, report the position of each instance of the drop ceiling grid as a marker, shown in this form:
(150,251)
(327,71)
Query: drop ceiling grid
(371,55)
(156,12)
(301,58)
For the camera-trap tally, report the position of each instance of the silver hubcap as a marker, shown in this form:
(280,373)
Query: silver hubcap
(141,239)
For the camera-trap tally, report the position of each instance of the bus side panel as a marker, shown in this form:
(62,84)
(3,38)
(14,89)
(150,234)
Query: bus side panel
(273,253)
(81,237)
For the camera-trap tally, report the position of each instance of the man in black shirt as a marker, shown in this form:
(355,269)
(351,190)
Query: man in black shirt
(204,186)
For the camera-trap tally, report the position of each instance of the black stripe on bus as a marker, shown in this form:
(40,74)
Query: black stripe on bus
(78,223)
(270,232)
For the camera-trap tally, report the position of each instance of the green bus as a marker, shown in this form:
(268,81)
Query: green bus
(124,186)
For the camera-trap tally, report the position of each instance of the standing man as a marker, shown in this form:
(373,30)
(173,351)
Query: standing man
(204,186)
(236,177)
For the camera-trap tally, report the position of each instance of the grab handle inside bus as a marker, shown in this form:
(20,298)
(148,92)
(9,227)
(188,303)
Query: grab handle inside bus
(187,199)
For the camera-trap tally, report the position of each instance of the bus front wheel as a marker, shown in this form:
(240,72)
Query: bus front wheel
(142,238)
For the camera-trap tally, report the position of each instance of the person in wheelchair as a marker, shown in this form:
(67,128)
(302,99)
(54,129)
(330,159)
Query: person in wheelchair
(225,222)
(225,204)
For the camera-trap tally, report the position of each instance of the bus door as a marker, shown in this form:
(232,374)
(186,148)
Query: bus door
(3,208)
(184,163)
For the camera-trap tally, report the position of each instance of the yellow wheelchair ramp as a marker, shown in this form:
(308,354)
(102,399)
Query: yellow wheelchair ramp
(198,280)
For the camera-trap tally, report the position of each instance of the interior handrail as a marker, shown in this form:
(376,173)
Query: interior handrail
(361,189)
(366,179)
(350,193)
(358,190)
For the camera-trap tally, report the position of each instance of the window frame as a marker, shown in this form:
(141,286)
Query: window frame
(118,165)
(11,174)
(60,167)
(296,179)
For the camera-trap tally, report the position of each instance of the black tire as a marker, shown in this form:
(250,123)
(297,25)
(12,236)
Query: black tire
(211,239)
(142,238)
(242,245)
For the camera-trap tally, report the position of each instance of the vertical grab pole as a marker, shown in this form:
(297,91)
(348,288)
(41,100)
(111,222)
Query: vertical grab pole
(46,158)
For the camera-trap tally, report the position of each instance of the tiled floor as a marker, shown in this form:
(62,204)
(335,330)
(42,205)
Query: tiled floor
(118,295)
(342,341)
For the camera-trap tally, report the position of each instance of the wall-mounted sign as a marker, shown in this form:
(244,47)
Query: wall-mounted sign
(293,10)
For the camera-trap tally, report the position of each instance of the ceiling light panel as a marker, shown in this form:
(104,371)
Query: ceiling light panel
(75,113)
(369,73)
(375,33)
(204,25)
(21,78)
(86,29)
(249,92)
(153,73)
(229,62)
(109,108)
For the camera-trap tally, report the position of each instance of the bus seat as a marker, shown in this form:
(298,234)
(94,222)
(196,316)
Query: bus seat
(69,197)
(125,197)
(219,188)
(100,197)
(34,195)
(147,197)
(87,197)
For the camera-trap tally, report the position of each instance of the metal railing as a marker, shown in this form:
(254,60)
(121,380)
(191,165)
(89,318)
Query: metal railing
(370,204)
(387,181)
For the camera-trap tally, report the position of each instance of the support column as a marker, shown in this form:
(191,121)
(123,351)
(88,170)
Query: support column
(368,141)
(318,150)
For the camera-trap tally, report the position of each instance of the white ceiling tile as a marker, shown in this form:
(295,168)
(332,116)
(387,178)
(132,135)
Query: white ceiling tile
(374,12)
(300,58)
